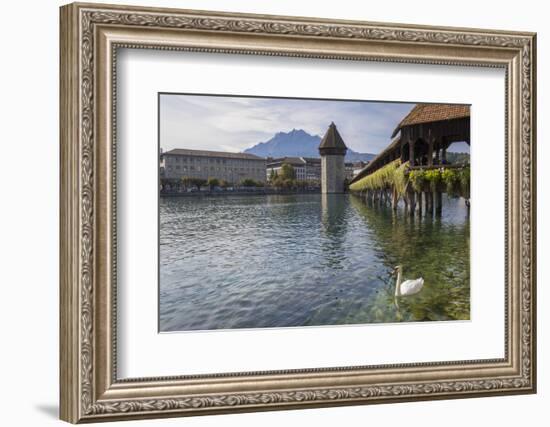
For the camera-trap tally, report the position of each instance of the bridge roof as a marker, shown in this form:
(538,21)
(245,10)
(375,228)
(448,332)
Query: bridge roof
(374,163)
(426,113)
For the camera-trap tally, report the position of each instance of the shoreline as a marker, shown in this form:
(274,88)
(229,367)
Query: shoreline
(237,193)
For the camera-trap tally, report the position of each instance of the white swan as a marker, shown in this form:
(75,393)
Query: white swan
(408,287)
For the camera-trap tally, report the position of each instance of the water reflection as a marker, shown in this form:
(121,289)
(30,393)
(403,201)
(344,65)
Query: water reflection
(436,249)
(333,219)
(295,260)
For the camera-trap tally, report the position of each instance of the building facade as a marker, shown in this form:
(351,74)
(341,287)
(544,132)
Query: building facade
(305,168)
(356,168)
(230,167)
(349,170)
(353,168)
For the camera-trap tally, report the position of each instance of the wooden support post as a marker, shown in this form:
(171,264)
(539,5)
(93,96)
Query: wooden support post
(444,155)
(419,203)
(430,203)
(412,203)
(431,152)
(438,203)
(426,201)
(411,153)
(437,156)
(394,200)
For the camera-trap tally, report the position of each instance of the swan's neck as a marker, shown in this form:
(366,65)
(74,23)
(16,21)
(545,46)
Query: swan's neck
(398,283)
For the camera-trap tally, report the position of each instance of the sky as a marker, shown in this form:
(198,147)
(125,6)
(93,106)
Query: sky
(232,123)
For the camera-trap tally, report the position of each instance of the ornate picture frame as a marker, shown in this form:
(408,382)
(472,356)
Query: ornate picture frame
(90,37)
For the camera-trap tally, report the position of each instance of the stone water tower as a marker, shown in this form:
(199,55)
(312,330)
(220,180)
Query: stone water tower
(333,172)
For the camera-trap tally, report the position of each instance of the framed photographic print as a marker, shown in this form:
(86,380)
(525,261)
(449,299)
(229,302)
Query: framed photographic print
(265,212)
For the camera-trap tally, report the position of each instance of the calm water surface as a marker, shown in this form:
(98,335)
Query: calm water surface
(297,260)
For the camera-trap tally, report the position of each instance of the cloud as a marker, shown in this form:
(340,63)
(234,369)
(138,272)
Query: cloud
(236,123)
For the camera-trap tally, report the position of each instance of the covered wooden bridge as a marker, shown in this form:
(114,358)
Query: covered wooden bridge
(420,143)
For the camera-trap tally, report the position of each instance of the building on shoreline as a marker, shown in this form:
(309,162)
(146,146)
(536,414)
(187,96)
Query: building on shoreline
(230,167)
(353,168)
(306,168)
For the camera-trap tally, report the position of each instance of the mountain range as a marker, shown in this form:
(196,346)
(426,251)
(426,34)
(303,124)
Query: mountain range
(298,143)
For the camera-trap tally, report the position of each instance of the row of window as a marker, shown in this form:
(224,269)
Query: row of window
(301,172)
(183,159)
(215,169)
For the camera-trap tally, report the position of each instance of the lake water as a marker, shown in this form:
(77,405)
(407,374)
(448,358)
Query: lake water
(297,260)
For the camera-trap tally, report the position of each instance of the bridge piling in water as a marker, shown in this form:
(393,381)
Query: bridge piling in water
(438,203)
(395,199)
(429,203)
(412,202)
(419,151)
(419,203)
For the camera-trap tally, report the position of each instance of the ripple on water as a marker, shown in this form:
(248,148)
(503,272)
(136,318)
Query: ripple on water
(297,260)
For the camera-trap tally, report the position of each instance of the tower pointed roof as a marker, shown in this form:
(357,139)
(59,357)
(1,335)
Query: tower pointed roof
(332,142)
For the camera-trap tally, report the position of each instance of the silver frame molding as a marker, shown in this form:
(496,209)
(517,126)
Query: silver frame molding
(90,37)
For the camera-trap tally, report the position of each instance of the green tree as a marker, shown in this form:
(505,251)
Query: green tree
(186,181)
(272,175)
(213,182)
(276,181)
(289,183)
(458,158)
(248,182)
(300,183)
(199,182)
(287,171)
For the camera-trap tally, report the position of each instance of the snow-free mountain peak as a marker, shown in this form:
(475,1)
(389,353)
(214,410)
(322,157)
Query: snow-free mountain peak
(297,143)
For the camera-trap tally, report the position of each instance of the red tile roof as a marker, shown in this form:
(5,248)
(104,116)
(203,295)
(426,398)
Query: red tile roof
(425,113)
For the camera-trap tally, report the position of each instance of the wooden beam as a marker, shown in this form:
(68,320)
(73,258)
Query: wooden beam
(431,151)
